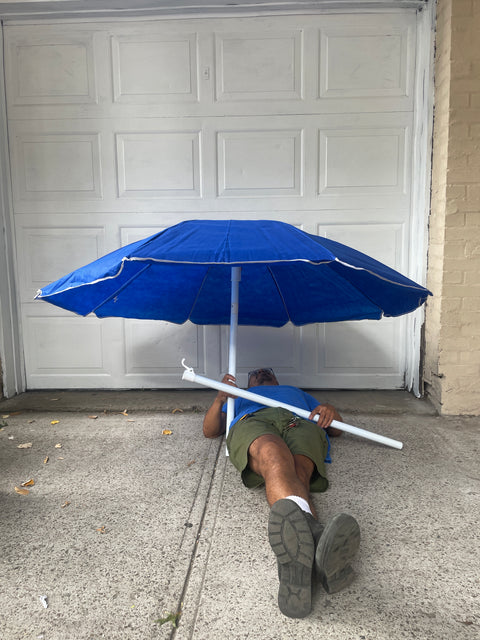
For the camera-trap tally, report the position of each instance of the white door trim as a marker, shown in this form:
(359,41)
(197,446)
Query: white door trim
(108,9)
(10,340)
(421,168)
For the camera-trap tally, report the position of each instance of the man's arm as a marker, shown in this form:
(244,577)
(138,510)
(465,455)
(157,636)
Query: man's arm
(215,421)
(326,413)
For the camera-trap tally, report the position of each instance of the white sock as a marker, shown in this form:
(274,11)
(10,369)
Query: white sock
(302,503)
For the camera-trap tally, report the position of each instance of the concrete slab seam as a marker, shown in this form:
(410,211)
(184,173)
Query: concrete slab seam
(200,529)
(198,568)
(205,479)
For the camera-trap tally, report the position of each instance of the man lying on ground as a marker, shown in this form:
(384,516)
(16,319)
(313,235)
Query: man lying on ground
(288,454)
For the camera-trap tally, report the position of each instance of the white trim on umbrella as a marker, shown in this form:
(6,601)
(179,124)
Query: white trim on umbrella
(413,286)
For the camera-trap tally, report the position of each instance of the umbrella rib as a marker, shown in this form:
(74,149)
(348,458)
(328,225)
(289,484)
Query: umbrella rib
(198,292)
(280,293)
(117,291)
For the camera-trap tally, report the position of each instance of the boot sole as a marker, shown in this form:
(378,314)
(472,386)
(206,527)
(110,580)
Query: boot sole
(292,542)
(335,552)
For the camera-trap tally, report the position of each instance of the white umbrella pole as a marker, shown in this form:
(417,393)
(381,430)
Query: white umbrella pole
(191,376)
(232,346)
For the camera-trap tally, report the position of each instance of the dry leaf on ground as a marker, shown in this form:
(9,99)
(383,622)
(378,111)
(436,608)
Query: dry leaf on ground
(93,417)
(58,446)
(45,460)
(54,421)
(22,492)
(25,445)
(167,432)
(177,411)
(28,483)
(101,529)
(65,504)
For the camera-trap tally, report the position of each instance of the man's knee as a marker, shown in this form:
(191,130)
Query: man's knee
(268,453)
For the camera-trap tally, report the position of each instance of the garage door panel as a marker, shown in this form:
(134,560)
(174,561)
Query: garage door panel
(159,164)
(63,344)
(363,161)
(360,61)
(260,163)
(44,71)
(154,348)
(56,166)
(260,66)
(49,253)
(155,69)
(359,347)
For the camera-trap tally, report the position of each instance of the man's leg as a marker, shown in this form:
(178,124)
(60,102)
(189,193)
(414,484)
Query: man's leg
(294,534)
(289,532)
(304,467)
(284,474)
(336,543)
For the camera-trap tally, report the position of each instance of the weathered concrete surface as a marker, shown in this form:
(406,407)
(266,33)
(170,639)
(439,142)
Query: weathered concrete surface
(108,530)
(418,570)
(159,523)
(167,400)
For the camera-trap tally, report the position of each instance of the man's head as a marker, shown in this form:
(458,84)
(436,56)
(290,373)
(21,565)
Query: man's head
(263,376)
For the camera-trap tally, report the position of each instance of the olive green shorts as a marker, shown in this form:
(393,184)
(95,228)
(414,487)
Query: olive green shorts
(305,438)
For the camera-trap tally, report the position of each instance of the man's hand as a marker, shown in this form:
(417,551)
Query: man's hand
(326,413)
(222,395)
(214,423)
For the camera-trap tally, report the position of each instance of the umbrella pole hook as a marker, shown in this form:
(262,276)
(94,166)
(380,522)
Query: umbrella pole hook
(188,370)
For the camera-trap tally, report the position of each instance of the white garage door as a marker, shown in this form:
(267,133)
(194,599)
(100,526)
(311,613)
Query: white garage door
(118,130)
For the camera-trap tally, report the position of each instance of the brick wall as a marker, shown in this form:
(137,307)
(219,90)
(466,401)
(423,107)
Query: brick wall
(452,357)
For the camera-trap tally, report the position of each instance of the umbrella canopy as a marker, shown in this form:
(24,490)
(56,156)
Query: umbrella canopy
(184,273)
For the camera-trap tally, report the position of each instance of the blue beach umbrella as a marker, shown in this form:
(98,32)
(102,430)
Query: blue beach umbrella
(249,272)
(184,273)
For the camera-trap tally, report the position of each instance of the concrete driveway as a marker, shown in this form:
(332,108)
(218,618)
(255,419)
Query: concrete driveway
(134,518)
